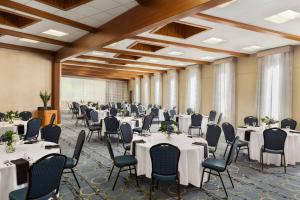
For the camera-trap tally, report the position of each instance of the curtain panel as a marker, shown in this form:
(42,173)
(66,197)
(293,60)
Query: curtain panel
(116,91)
(145,90)
(137,90)
(193,88)
(157,89)
(173,88)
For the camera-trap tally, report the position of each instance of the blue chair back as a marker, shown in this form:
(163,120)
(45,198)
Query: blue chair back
(119,105)
(289,122)
(110,149)
(25,115)
(52,119)
(51,133)
(94,116)
(113,112)
(133,108)
(126,132)
(213,135)
(147,122)
(167,116)
(111,124)
(220,118)
(173,113)
(88,113)
(251,120)
(45,175)
(196,119)
(233,151)
(274,139)
(33,128)
(155,112)
(78,146)
(228,132)
(164,158)
(212,116)
(2,116)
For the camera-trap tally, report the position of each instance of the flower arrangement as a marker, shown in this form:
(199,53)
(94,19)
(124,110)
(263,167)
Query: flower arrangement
(169,128)
(268,121)
(45,96)
(11,139)
(11,115)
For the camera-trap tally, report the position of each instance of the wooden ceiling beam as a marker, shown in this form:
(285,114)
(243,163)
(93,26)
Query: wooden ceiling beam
(110,66)
(135,21)
(89,75)
(97,70)
(45,15)
(185,45)
(121,61)
(18,34)
(247,26)
(142,54)
(22,48)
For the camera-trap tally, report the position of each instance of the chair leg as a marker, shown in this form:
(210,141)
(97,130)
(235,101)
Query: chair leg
(136,177)
(281,159)
(223,184)
(75,177)
(178,188)
(214,155)
(248,153)
(116,179)
(150,192)
(226,150)
(237,154)
(230,178)
(112,169)
(209,175)
(201,183)
(284,163)
(262,160)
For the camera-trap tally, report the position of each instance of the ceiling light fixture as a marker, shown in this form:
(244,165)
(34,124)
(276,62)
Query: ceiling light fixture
(153,61)
(283,17)
(207,58)
(252,48)
(97,53)
(226,4)
(175,53)
(55,33)
(213,40)
(28,40)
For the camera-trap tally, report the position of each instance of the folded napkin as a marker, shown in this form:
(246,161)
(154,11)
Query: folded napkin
(21,129)
(31,142)
(248,135)
(134,145)
(22,166)
(177,119)
(205,147)
(294,131)
(242,126)
(53,146)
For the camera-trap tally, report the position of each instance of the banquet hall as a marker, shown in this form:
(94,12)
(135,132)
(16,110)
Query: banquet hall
(149,99)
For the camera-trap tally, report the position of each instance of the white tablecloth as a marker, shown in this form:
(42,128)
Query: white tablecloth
(292,145)
(129,120)
(191,157)
(102,114)
(184,122)
(161,116)
(5,126)
(8,178)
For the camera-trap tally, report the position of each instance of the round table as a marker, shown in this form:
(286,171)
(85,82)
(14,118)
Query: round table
(6,126)
(291,147)
(190,161)
(184,122)
(8,178)
(129,120)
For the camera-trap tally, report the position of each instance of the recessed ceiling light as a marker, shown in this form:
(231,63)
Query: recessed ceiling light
(97,53)
(252,48)
(213,40)
(55,33)
(28,40)
(283,17)
(226,4)
(207,58)
(175,53)
(113,44)
(153,61)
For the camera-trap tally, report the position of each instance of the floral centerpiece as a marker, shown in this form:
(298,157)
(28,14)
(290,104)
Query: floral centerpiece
(268,121)
(45,96)
(11,138)
(122,112)
(11,115)
(168,128)
(96,105)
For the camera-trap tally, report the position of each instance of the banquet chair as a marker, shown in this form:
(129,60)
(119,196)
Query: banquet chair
(147,122)
(92,128)
(44,179)
(155,113)
(133,109)
(33,128)
(141,112)
(164,159)
(71,163)
(83,108)
(220,118)
(212,116)
(196,122)
(94,117)
(229,134)
(25,115)
(52,119)
(51,133)
(112,126)
(251,121)
(288,122)
(75,110)
(70,106)
(189,111)
(88,113)
(220,165)
(274,140)
(127,136)
(212,137)
(113,112)
(123,162)
(173,113)
(2,117)
(167,116)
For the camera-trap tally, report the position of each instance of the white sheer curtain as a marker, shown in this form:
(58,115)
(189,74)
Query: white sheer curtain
(137,90)
(146,90)
(173,88)
(193,92)
(274,89)
(116,91)
(224,89)
(157,89)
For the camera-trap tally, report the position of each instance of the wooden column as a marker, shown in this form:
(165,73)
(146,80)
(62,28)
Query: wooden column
(56,75)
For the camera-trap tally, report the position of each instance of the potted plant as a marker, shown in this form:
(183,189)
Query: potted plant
(45,98)
(11,115)
(11,138)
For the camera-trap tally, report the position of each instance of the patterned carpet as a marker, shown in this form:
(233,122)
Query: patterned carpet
(95,163)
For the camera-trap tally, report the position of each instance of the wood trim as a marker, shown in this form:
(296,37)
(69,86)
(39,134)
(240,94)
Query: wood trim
(22,48)
(185,45)
(125,25)
(135,53)
(18,34)
(120,61)
(56,76)
(247,26)
(88,75)
(45,15)
(63,5)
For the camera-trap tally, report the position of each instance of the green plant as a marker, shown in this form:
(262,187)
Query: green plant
(169,127)
(268,121)
(11,137)
(45,98)
(11,115)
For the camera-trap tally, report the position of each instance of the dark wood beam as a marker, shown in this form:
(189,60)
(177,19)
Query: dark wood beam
(89,75)
(185,45)
(137,20)
(45,15)
(152,55)
(55,99)
(18,34)
(121,61)
(247,26)
(22,48)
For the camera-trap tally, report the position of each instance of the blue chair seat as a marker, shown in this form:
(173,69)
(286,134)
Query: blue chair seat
(214,164)
(280,151)
(127,147)
(111,132)
(159,177)
(126,160)
(195,126)
(21,195)
(95,128)
(80,117)
(242,143)
(70,163)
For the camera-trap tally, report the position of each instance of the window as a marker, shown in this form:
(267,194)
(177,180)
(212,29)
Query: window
(157,89)
(173,88)
(192,99)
